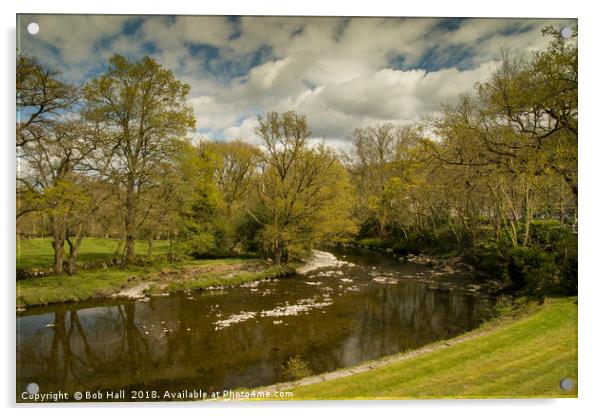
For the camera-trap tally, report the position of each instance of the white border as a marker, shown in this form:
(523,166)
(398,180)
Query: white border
(590,153)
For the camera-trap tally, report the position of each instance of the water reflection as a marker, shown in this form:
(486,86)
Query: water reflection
(172,342)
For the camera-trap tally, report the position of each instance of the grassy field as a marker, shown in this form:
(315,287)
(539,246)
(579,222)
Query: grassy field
(99,282)
(512,359)
(37,252)
(96,284)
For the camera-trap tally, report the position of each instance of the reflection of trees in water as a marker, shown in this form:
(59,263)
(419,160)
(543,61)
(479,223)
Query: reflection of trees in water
(402,317)
(65,363)
(77,355)
(133,346)
(108,347)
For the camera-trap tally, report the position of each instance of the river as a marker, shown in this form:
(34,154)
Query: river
(241,336)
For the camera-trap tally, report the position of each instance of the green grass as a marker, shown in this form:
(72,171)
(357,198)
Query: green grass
(212,279)
(37,252)
(524,358)
(96,284)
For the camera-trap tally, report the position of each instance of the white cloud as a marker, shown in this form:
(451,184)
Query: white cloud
(334,110)
(245,131)
(336,71)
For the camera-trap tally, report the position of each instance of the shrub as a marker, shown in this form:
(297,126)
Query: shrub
(295,368)
(197,246)
(487,260)
(559,241)
(532,270)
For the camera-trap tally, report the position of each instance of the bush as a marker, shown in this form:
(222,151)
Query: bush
(559,240)
(487,260)
(197,246)
(550,235)
(532,270)
(295,368)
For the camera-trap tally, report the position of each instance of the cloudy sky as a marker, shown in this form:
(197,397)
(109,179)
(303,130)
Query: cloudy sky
(341,73)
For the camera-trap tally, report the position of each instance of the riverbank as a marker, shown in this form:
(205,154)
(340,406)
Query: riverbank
(523,353)
(140,282)
(136,282)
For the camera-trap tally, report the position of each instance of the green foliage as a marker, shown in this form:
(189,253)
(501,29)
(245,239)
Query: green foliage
(560,241)
(492,183)
(199,245)
(144,108)
(531,269)
(295,368)
(548,264)
(304,193)
(499,169)
(487,259)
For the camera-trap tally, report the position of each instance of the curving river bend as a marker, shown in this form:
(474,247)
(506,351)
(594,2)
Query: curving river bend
(242,336)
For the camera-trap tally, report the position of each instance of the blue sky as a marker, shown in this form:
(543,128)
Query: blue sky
(341,73)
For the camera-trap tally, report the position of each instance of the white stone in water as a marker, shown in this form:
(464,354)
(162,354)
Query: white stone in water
(320,260)
(254,283)
(304,305)
(385,280)
(241,317)
(346,280)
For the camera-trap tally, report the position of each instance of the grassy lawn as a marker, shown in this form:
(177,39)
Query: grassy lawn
(37,252)
(95,284)
(524,358)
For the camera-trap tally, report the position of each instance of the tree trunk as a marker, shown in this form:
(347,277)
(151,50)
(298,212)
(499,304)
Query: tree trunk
(277,252)
(58,247)
(528,214)
(130,214)
(74,248)
(58,242)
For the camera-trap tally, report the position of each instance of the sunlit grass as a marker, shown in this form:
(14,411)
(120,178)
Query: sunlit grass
(38,252)
(525,358)
(213,279)
(99,283)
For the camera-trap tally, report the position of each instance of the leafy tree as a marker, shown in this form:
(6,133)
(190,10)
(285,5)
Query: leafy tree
(52,180)
(379,159)
(297,183)
(144,107)
(235,175)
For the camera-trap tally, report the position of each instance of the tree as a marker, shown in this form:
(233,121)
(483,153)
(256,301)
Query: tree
(298,184)
(198,200)
(379,157)
(235,175)
(53,181)
(41,98)
(144,107)
(520,131)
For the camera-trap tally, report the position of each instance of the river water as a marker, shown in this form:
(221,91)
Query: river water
(241,336)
